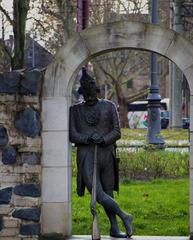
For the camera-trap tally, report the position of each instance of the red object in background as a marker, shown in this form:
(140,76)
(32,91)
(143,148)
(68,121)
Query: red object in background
(82,14)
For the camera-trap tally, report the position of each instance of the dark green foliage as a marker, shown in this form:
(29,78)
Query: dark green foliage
(146,165)
(153,164)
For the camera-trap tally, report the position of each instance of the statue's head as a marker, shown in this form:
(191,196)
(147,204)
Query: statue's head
(88,88)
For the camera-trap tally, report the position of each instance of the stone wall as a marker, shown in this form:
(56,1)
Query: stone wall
(20,155)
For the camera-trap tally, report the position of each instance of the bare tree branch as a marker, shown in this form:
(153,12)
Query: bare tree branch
(6,15)
(138,95)
(55,14)
(40,23)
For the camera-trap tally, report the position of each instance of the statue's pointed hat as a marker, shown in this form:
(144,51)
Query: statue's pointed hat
(87,82)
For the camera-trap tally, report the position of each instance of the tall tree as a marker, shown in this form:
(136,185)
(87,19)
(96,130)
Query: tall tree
(18,23)
(56,22)
(20,10)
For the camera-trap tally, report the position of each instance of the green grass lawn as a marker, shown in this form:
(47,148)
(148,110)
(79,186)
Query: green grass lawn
(159,207)
(141,134)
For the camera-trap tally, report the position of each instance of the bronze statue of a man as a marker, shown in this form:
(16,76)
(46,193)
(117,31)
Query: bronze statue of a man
(95,121)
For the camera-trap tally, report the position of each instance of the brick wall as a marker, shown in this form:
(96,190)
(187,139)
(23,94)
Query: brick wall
(20,155)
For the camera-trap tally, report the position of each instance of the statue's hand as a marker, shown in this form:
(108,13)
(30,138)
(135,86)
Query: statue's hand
(93,210)
(97,139)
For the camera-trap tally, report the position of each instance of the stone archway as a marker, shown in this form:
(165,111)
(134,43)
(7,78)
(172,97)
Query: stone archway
(60,75)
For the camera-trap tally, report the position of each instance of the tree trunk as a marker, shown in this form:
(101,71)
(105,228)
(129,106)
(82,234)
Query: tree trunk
(123,109)
(20,10)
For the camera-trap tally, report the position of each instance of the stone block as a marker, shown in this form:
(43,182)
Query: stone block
(56,218)
(30,99)
(6,209)
(6,169)
(10,222)
(56,148)
(31,178)
(16,140)
(3,107)
(31,190)
(10,178)
(33,142)
(7,98)
(9,82)
(54,117)
(19,201)
(31,82)
(3,137)
(5,117)
(10,107)
(27,169)
(9,155)
(5,195)
(9,232)
(28,122)
(180,52)
(30,158)
(7,185)
(29,149)
(55,184)
(30,214)
(30,229)
(33,101)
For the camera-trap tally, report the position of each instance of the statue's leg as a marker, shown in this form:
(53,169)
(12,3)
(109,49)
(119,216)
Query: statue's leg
(111,206)
(114,229)
(107,177)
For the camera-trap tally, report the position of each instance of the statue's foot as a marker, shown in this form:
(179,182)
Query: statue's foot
(118,234)
(127,220)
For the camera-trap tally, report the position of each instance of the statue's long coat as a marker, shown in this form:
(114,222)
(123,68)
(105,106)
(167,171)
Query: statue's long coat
(85,120)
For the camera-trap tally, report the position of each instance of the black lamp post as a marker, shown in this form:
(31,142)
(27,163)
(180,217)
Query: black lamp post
(154,98)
